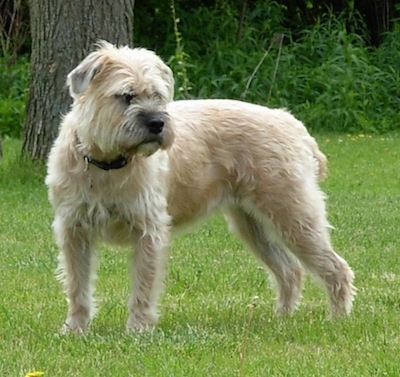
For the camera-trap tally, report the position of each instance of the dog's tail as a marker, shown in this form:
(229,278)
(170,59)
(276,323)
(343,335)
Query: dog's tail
(320,158)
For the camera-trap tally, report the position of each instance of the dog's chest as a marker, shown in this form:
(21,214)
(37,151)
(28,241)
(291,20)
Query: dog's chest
(109,217)
(118,211)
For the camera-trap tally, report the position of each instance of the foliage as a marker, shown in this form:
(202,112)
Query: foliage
(13,94)
(328,76)
(217,312)
(336,83)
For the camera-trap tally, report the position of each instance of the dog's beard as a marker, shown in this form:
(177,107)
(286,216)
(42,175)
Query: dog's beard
(147,149)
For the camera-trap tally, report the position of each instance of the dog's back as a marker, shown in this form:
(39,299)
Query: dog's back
(237,147)
(241,121)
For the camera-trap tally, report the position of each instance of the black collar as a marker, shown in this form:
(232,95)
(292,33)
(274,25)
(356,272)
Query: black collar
(118,163)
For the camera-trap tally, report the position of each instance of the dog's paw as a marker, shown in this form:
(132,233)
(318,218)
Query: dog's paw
(73,327)
(139,328)
(143,323)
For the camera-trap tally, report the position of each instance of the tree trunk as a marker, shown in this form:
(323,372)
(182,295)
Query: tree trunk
(63,32)
(379,16)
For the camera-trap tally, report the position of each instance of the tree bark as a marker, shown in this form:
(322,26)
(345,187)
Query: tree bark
(63,32)
(379,15)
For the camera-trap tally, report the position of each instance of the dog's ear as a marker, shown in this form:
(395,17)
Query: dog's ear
(168,77)
(79,78)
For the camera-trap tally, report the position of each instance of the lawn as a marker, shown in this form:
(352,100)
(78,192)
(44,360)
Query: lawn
(217,311)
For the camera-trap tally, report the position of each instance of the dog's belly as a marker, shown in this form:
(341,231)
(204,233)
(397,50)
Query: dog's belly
(190,209)
(197,196)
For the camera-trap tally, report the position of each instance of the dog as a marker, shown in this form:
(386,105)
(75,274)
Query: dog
(133,167)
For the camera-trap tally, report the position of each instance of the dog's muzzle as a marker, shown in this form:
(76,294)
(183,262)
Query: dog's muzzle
(147,135)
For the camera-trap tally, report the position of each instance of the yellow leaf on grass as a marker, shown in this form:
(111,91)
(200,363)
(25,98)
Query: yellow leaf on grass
(35,374)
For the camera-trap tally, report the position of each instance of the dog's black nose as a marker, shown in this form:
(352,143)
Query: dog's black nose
(155,125)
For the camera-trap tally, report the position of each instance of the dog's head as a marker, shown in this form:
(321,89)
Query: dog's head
(120,97)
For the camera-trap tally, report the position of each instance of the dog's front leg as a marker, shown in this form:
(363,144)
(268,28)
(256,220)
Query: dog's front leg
(76,262)
(148,274)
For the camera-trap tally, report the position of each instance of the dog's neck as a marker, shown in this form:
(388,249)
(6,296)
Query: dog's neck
(117,163)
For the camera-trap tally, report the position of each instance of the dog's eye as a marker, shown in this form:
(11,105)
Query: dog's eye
(127,98)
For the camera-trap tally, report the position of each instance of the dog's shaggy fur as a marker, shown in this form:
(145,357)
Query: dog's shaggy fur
(182,160)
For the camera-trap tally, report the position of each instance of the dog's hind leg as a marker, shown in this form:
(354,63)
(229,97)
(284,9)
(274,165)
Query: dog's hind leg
(304,228)
(148,274)
(314,250)
(75,270)
(285,268)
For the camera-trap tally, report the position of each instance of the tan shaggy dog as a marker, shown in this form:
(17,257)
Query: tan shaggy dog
(130,166)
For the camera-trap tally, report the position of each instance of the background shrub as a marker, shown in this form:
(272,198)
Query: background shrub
(13,94)
(325,71)
(327,75)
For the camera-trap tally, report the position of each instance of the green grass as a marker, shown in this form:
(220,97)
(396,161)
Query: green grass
(217,312)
